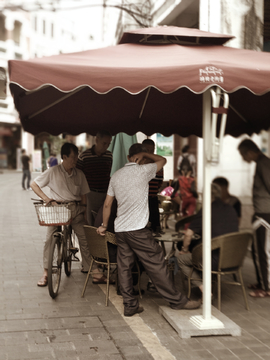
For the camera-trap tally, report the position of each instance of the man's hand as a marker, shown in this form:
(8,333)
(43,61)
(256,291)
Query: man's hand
(101,230)
(50,202)
(184,252)
(138,158)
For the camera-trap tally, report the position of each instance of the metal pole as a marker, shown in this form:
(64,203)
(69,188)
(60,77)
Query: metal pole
(206,321)
(206,206)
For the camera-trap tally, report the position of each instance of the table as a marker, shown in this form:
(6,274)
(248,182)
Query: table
(164,215)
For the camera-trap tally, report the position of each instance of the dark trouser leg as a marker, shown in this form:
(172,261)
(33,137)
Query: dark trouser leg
(94,201)
(125,262)
(151,256)
(23,178)
(261,253)
(154,212)
(28,174)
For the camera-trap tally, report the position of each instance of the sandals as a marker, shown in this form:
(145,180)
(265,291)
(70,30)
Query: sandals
(43,281)
(254,286)
(102,280)
(259,293)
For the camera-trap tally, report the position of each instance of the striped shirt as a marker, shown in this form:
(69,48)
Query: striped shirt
(97,169)
(155,183)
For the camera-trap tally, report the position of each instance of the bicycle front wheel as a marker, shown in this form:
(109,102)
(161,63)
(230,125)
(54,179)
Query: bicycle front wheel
(55,266)
(67,253)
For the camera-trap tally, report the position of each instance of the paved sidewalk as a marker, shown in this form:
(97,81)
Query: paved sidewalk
(33,326)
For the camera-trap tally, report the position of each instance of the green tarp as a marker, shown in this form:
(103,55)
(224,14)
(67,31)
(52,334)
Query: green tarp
(119,147)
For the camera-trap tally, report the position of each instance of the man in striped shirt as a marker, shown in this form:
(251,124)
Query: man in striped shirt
(154,186)
(96,163)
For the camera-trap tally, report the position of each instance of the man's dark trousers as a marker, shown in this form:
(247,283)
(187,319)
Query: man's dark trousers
(260,252)
(142,243)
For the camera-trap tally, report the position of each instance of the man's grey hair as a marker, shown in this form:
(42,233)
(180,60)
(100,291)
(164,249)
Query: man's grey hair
(215,191)
(136,149)
(102,134)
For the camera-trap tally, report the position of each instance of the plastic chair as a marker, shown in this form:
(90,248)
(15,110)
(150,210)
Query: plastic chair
(232,250)
(98,248)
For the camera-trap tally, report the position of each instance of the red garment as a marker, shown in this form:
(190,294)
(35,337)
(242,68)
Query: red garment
(185,187)
(188,204)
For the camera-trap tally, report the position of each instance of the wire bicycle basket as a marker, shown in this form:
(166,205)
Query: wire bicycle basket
(53,215)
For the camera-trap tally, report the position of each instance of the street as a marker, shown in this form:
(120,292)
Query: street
(34,326)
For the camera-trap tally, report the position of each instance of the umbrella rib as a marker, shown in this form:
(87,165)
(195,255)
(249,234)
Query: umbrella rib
(144,103)
(238,113)
(54,103)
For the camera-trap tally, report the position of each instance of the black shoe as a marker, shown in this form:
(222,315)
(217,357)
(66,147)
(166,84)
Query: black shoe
(192,304)
(139,310)
(151,287)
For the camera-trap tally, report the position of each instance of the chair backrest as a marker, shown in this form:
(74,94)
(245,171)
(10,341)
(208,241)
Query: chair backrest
(97,244)
(232,250)
(180,225)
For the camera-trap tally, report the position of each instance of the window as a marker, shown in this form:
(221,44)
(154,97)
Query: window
(17,32)
(3,33)
(35,23)
(18,56)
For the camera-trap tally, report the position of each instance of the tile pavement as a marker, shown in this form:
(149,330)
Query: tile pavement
(33,326)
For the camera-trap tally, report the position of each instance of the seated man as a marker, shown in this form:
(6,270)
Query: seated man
(223,183)
(224,221)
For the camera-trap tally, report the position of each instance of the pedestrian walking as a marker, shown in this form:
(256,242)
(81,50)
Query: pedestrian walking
(261,218)
(25,160)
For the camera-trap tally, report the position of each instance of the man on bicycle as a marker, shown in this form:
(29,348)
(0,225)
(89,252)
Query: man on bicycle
(66,185)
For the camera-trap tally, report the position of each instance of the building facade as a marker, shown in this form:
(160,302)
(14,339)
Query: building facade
(25,35)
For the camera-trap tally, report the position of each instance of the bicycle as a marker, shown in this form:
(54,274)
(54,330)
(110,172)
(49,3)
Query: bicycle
(62,248)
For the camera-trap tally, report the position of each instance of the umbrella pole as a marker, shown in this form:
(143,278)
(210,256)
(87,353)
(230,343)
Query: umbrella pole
(207,321)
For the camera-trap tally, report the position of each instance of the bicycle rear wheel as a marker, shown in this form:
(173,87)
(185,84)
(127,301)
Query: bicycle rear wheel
(67,253)
(55,266)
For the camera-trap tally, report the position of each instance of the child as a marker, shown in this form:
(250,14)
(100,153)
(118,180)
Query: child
(185,193)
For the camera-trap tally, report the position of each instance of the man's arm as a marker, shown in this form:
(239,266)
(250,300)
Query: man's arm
(84,203)
(264,172)
(187,240)
(83,199)
(39,192)
(159,160)
(106,214)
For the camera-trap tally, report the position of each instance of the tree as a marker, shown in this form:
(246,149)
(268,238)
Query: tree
(139,10)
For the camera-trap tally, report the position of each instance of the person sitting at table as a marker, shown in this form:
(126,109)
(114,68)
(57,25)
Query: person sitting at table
(185,193)
(223,183)
(223,221)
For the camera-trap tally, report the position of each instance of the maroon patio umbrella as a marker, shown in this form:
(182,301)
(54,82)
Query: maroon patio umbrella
(157,80)
(152,82)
